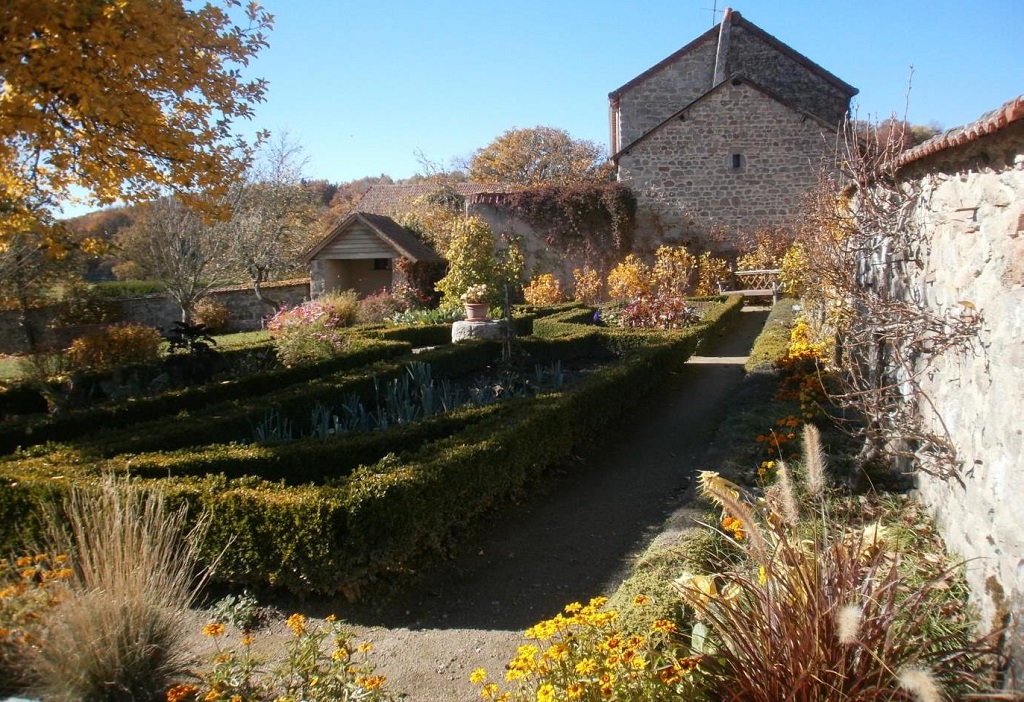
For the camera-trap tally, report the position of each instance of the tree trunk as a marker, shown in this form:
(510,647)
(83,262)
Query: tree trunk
(257,283)
(23,321)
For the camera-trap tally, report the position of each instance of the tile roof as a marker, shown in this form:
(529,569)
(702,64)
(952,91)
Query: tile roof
(398,237)
(988,123)
(736,19)
(395,199)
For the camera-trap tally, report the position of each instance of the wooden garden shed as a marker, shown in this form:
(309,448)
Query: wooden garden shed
(359,254)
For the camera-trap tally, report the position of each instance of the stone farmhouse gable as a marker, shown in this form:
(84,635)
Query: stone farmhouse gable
(358,254)
(732,119)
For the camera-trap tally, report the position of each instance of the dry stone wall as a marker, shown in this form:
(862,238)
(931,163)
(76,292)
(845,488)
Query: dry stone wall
(969,250)
(246,313)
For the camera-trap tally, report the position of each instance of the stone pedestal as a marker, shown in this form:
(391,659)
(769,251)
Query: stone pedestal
(489,330)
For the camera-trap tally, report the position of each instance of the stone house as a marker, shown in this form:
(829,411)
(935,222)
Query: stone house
(359,253)
(728,133)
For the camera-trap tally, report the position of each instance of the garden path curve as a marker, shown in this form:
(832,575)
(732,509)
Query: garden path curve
(572,542)
(575,539)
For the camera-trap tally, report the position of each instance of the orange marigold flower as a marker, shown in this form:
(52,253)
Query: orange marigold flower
(297,623)
(213,629)
(182,693)
(641,600)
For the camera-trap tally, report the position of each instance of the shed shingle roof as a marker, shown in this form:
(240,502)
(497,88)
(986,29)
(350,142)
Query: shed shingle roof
(398,237)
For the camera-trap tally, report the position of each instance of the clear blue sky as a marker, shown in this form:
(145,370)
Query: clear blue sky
(365,85)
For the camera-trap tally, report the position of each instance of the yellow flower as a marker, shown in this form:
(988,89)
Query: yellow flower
(213,629)
(489,691)
(575,691)
(339,654)
(586,666)
(297,623)
(478,676)
(247,639)
(546,693)
(664,626)
(331,618)
(365,647)
(641,600)
(573,608)
(557,652)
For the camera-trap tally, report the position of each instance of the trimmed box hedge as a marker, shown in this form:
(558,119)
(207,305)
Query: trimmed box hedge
(387,517)
(26,432)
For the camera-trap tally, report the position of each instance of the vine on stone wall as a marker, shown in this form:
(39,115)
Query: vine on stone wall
(863,277)
(595,220)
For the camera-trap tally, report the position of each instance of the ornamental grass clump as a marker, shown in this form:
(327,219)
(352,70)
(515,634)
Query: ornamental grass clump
(830,603)
(116,633)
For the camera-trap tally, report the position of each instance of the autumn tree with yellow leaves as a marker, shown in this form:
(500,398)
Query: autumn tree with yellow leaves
(121,100)
(539,156)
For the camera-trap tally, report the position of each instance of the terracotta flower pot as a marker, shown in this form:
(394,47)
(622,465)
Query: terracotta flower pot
(476,311)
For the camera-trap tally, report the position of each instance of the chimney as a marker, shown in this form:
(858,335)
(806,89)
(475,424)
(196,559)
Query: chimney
(722,55)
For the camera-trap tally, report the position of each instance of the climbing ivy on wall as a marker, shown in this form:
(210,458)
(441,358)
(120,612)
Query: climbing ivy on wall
(597,220)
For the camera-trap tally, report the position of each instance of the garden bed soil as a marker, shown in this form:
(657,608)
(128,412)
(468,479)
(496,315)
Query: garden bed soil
(574,539)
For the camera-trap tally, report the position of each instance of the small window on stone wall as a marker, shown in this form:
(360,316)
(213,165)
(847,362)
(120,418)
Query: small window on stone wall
(382,264)
(739,162)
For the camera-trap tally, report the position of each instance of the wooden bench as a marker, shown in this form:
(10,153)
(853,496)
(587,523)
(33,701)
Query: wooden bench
(760,283)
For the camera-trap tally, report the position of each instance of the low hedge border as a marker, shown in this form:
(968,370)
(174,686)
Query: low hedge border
(37,430)
(387,517)
(234,420)
(772,344)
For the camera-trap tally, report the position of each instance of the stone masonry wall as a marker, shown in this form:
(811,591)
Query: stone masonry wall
(970,215)
(246,313)
(645,106)
(683,173)
(785,77)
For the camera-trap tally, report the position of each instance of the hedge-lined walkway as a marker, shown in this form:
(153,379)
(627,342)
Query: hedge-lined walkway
(570,543)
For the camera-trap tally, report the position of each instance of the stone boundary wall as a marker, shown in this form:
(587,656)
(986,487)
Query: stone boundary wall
(970,219)
(246,313)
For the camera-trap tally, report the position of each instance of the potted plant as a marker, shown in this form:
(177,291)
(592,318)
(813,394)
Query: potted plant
(475,301)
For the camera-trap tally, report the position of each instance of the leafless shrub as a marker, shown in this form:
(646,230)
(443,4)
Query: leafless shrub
(865,254)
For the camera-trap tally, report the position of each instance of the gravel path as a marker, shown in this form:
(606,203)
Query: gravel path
(574,540)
